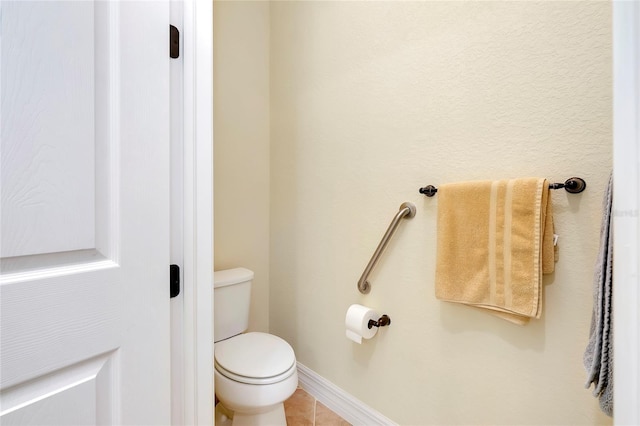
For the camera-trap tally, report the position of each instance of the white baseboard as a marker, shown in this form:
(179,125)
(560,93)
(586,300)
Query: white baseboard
(337,400)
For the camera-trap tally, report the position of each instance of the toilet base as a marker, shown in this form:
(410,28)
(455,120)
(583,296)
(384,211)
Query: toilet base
(273,417)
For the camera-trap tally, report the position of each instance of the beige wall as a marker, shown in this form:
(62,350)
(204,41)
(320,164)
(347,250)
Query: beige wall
(241,145)
(370,101)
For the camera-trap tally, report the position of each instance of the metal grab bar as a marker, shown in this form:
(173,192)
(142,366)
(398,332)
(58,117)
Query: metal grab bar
(407,210)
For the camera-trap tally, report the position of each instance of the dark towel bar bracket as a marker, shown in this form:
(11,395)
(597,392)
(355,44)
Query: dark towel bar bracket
(573,185)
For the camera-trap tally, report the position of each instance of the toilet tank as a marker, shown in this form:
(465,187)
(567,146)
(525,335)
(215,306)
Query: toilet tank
(232,297)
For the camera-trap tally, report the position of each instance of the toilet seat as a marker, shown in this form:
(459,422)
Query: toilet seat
(255,358)
(255,381)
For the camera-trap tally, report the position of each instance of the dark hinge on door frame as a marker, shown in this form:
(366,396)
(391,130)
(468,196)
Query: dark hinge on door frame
(174,42)
(174,280)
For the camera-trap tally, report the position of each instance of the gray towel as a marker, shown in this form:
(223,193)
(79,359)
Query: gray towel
(598,356)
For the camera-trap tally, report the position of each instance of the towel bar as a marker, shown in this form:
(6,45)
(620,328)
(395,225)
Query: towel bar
(572,185)
(407,210)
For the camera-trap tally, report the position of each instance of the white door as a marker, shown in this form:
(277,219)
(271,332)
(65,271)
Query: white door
(84,295)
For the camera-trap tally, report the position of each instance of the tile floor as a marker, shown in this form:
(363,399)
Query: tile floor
(302,409)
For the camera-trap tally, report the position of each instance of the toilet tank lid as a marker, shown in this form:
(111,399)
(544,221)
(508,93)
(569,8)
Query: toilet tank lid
(231,276)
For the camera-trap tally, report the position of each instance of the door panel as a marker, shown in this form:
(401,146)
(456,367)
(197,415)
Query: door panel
(84,303)
(78,395)
(48,89)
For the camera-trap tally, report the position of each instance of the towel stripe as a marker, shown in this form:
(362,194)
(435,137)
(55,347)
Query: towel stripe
(541,199)
(506,244)
(493,204)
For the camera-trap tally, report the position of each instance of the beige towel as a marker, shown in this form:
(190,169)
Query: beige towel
(495,240)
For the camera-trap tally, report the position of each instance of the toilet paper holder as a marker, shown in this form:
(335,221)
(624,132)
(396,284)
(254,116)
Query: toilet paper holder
(382,321)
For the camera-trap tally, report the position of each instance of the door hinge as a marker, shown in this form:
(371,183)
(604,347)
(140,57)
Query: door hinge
(174,280)
(174,42)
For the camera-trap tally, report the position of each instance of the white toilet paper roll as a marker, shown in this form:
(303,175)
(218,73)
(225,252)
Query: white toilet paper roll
(357,323)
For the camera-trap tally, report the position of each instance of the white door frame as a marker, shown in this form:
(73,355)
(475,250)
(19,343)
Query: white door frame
(198,213)
(626,208)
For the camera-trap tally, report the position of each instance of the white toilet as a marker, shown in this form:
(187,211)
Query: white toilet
(254,372)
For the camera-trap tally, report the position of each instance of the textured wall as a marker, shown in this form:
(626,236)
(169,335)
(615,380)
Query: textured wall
(370,101)
(241,145)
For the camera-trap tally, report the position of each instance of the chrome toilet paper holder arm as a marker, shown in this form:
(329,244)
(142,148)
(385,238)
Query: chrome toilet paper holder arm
(382,321)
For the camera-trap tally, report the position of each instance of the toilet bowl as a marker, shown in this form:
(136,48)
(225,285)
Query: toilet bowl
(254,374)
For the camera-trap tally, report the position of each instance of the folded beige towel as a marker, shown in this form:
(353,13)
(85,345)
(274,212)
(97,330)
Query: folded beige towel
(495,240)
